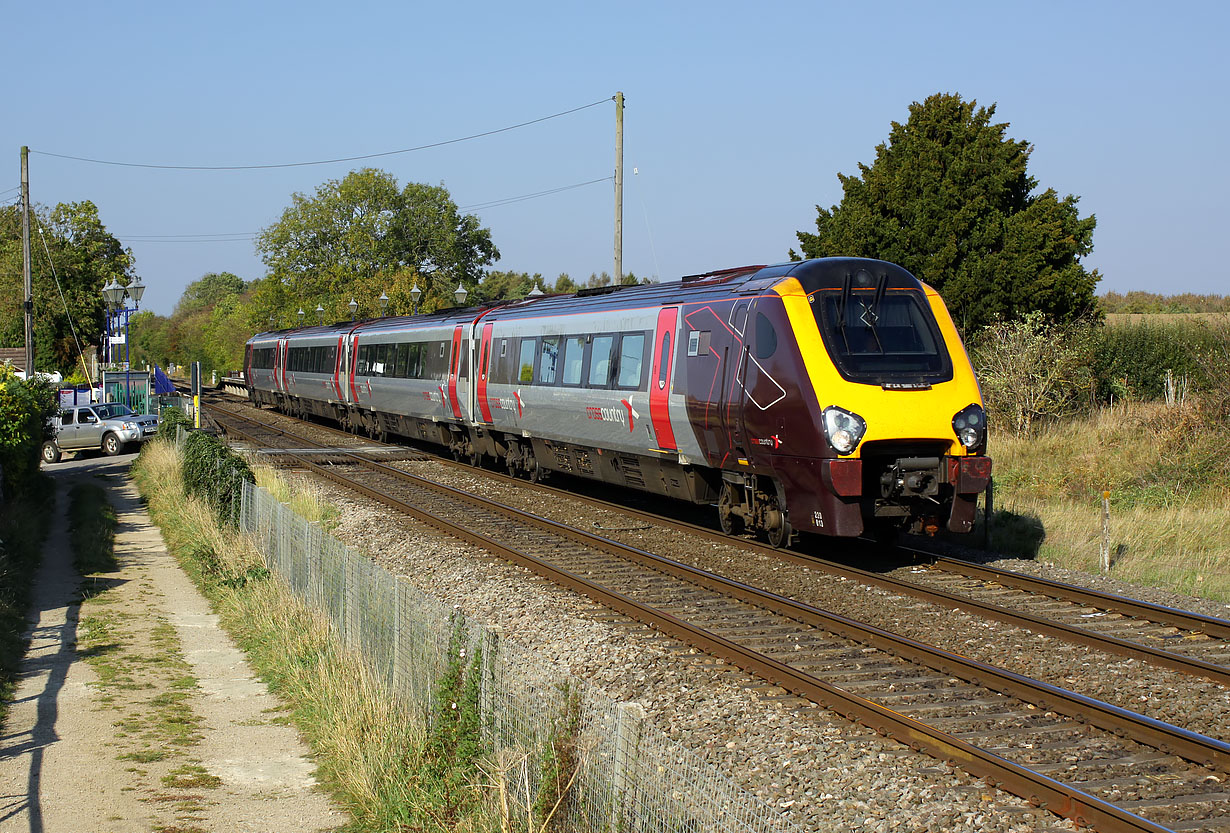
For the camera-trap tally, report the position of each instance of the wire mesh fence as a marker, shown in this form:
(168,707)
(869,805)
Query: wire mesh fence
(551,739)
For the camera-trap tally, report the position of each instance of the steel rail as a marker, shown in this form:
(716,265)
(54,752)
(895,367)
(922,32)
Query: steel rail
(1071,633)
(1194,747)
(1033,786)
(1197,622)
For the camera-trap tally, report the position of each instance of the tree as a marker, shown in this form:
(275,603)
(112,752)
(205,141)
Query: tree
(949,198)
(85,257)
(357,233)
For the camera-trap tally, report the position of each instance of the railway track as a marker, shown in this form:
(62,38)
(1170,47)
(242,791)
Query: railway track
(1095,763)
(1165,637)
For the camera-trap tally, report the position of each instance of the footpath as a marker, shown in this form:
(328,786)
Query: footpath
(134,711)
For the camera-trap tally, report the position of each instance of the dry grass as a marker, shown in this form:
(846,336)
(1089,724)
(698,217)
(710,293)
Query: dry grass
(305,497)
(1170,504)
(368,746)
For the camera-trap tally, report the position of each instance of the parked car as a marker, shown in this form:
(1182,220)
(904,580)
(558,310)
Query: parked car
(108,427)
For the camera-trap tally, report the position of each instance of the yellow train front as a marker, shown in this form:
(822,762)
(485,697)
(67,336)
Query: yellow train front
(867,419)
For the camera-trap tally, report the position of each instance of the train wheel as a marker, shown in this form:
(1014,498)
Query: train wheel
(533,472)
(731,523)
(776,525)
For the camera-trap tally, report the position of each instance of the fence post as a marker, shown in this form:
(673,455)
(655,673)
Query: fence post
(629,717)
(1104,547)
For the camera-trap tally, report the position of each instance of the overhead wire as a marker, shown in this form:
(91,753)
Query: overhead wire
(242,236)
(323,161)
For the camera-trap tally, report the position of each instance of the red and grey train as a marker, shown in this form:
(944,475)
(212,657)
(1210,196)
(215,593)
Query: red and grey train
(829,396)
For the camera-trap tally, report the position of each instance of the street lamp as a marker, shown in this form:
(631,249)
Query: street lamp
(384,303)
(354,307)
(460,294)
(300,314)
(114,296)
(535,292)
(320,313)
(415,292)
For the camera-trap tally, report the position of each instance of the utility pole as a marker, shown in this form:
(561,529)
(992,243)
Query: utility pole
(619,188)
(25,259)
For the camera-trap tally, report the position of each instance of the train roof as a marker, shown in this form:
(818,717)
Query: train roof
(745,280)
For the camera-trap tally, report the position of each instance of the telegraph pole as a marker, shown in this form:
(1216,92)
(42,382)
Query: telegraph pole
(25,259)
(619,188)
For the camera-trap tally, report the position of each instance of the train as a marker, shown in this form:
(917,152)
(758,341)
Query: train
(829,397)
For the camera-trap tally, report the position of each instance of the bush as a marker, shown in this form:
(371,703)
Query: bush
(26,409)
(1130,361)
(169,420)
(1030,368)
(213,472)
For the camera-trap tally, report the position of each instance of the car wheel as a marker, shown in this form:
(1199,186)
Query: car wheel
(111,445)
(51,452)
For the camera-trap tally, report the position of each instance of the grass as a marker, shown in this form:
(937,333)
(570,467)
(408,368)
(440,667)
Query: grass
(91,526)
(1166,469)
(372,753)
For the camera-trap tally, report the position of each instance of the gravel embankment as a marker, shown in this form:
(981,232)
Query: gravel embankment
(822,772)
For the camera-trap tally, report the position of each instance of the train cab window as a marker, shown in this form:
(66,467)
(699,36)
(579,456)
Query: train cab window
(631,360)
(525,364)
(766,337)
(547,357)
(574,360)
(600,362)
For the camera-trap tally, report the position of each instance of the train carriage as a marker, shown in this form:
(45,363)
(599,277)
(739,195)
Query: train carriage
(830,396)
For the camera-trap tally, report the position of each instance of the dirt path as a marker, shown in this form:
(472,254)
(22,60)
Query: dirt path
(134,711)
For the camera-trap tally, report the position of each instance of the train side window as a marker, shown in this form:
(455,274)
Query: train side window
(600,362)
(547,358)
(766,337)
(403,360)
(360,367)
(435,360)
(698,342)
(574,360)
(382,359)
(391,369)
(631,358)
(525,364)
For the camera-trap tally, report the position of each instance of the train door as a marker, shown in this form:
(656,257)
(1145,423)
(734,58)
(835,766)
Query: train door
(660,378)
(337,369)
(733,375)
(484,362)
(453,367)
(279,372)
(349,363)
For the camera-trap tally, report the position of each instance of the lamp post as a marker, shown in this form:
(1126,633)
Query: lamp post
(320,313)
(300,313)
(354,307)
(115,296)
(460,294)
(384,303)
(415,292)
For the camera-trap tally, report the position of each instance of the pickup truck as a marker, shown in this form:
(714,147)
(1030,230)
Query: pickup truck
(109,427)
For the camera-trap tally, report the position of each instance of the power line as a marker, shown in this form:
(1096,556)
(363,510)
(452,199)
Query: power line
(243,236)
(322,161)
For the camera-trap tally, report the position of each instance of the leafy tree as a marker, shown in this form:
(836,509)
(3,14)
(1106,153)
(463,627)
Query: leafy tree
(358,235)
(949,198)
(85,256)
(208,290)
(498,286)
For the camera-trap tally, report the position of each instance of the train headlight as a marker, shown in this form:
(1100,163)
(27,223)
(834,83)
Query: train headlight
(843,429)
(970,425)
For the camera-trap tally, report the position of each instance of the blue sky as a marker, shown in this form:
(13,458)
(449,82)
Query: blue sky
(738,119)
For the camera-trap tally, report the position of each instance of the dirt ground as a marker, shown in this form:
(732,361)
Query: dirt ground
(134,711)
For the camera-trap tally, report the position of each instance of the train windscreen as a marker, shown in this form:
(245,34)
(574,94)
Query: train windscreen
(881,336)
